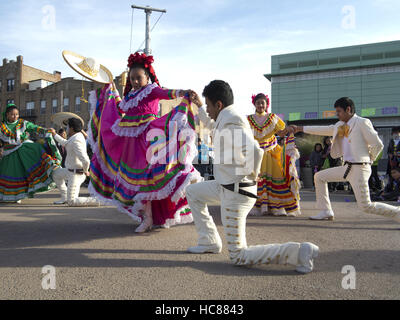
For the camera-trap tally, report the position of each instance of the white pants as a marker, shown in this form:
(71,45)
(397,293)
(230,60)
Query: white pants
(358,178)
(71,194)
(234,210)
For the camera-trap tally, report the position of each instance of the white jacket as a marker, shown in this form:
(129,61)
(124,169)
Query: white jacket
(237,156)
(365,144)
(77,157)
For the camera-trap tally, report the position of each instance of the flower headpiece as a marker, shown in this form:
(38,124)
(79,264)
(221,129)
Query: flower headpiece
(258,96)
(144,61)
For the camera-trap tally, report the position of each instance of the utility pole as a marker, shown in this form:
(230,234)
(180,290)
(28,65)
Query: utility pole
(148,10)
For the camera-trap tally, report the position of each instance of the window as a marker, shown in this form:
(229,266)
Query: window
(372,56)
(326,61)
(66,105)
(54,106)
(30,108)
(349,59)
(288,65)
(10,84)
(77,104)
(43,107)
(308,63)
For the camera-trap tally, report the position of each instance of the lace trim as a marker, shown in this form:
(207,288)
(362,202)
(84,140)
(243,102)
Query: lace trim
(128,132)
(295,186)
(112,202)
(179,219)
(130,102)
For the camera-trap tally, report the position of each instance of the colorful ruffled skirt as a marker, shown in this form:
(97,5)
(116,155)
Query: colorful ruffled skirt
(155,165)
(27,170)
(278,187)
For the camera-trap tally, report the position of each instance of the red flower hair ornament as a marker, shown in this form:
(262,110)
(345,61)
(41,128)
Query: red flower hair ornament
(138,58)
(144,61)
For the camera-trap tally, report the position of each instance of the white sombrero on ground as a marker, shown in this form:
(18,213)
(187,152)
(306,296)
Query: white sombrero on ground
(88,67)
(61,118)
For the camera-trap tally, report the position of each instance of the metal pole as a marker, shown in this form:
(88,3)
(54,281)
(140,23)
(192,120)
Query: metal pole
(147,50)
(148,10)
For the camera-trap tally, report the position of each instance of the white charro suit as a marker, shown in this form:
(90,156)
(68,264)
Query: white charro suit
(364,145)
(77,159)
(228,169)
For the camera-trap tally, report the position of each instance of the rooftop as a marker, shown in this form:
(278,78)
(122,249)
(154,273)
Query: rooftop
(359,56)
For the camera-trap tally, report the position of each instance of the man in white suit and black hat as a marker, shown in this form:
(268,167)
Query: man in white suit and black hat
(356,140)
(237,162)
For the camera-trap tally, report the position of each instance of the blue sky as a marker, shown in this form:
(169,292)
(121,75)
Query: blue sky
(196,41)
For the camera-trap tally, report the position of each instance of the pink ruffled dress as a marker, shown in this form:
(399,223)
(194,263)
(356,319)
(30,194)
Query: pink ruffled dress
(139,156)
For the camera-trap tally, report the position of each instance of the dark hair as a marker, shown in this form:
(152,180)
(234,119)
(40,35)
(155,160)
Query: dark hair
(75,124)
(62,130)
(316,145)
(11,107)
(219,90)
(395,129)
(261,96)
(345,102)
(326,138)
(147,72)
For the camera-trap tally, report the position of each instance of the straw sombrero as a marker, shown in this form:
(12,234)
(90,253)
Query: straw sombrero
(88,67)
(61,118)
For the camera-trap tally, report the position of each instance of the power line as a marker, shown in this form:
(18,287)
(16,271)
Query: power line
(159,18)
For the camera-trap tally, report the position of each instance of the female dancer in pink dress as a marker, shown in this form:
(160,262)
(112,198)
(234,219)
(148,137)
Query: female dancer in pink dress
(142,163)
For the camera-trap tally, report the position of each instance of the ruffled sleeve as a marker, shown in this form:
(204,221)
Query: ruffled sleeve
(165,94)
(31,128)
(280,125)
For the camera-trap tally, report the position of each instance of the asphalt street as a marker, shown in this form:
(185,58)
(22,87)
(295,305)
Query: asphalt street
(96,255)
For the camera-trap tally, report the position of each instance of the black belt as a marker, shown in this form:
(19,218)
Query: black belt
(231,187)
(76,171)
(350,164)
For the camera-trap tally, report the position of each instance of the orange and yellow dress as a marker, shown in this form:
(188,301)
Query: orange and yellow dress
(278,185)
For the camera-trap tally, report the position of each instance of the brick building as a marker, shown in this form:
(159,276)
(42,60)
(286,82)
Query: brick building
(39,94)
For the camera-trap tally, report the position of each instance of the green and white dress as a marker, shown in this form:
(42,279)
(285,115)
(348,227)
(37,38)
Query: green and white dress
(25,166)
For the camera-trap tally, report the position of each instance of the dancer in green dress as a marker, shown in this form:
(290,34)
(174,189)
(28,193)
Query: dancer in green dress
(25,166)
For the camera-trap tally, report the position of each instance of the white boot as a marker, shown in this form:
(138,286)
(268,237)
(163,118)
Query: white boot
(214,248)
(63,199)
(307,253)
(324,215)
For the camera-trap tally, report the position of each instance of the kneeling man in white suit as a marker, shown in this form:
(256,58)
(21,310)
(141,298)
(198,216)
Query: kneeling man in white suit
(237,163)
(355,139)
(76,166)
